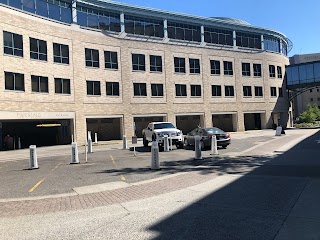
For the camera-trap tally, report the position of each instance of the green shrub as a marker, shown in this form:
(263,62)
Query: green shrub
(310,115)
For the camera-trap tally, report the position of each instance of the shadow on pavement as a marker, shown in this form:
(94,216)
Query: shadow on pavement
(252,206)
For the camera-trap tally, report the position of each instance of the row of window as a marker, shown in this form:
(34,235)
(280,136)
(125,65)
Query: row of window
(40,84)
(107,20)
(13,45)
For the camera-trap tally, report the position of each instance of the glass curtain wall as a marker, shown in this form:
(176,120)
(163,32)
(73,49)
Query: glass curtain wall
(143,26)
(218,36)
(184,32)
(271,44)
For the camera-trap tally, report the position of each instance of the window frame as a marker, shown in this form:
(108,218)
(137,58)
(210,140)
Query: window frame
(247,91)
(141,92)
(155,63)
(257,72)
(60,54)
(273,92)
(115,89)
(194,66)
(179,65)
(195,90)
(94,85)
(215,70)
(91,61)
(138,62)
(227,93)
(226,66)
(245,71)
(15,49)
(155,89)
(62,82)
(39,81)
(216,91)
(109,56)
(279,73)
(272,71)
(181,90)
(14,78)
(41,44)
(257,92)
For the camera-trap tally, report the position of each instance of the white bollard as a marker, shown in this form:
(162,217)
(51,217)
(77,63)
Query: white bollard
(89,135)
(124,142)
(90,150)
(95,137)
(33,161)
(278,131)
(171,142)
(197,148)
(214,145)
(155,163)
(74,153)
(86,150)
(166,143)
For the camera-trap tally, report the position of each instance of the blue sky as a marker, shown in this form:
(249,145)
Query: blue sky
(298,20)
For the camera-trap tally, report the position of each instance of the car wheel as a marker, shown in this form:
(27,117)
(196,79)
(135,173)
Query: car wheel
(185,143)
(145,141)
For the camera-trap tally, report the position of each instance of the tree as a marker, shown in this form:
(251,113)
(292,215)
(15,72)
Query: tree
(310,115)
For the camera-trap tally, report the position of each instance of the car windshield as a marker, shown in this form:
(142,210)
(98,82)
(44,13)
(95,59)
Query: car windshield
(163,125)
(214,131)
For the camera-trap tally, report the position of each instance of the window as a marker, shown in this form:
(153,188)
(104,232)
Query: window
(93,88)
(258,92)
(184,32)
(38,49)
(279,70)
(194,65)
(92,58)
(62,85)
(248,40)
(12,44)
(179,65)
(181,90)
(229,91)
(247,91)
(60,53)
(112,88)
(39,84)
(227,68)
(143,26)
(89,17)
(257,70)
(157,90)
(246,69)
(311,99)
(196,90)
(271,44)
(215,67)
(280,92)
(140,89)
(216,90)
(14,81)
(218,36)
(273,91)
(155,63)
(272,71)
(110,60)
(138,62)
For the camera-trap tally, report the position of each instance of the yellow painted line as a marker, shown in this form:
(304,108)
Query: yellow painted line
(35,186)
(123,178)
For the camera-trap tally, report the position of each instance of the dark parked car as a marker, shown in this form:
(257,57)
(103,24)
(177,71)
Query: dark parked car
(223,138)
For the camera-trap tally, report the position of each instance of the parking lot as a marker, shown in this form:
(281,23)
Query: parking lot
(110,164)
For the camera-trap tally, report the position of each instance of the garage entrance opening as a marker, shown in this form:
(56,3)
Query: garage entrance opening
(224,122)
(252,121)
(186,123)
(142,122)
(39,133)
(106,128)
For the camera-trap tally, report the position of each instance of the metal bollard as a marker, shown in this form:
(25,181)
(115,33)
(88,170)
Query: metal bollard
(124,142)
(166,143)
(197,148)
(90,150)
(33,161)
(89,135)
(74,153)
(214,146)
(155,163)
(171,142)
(95,137)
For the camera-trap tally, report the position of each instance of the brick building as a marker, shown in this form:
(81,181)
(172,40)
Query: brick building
(72,66)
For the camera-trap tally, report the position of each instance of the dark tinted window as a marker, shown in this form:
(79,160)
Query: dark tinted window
(196,90)
(111,60)
(93,88)
(273,91)
(12,44)
(218,36)
(181,90)
(157,90)
(248,40)
(272,71)
(228,69)
(257,70)
(215,67)
(39,84)
(138,62)
(155,63)
(279,70)
(247,91)
(112,89)
(92,57)
(14,81)
(60,53)
(229,91)
(216,90)
(62,85)
(258,91)
(140,89)
(143,26)
(194,65)
(38,49)
(246,69)
(184,32)
(179,65)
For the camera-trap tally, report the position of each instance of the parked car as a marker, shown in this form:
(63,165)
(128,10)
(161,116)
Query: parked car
(223,138)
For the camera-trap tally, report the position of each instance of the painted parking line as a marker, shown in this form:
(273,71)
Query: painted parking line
(38,183)
(122,177)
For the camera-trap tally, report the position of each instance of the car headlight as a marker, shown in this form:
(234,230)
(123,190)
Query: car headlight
(179,133)
(160,134)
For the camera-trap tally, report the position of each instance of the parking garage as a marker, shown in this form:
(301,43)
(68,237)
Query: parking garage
(186,123)
(22,129)
(225,121)
(107,128)
(254,120)
(141,122)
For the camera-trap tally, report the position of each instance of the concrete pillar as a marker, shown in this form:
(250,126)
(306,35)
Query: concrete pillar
(234,39)
(240,124)
(74,11)
(262,42)
(122,22)
(202,34)
(235,122)
(165,28)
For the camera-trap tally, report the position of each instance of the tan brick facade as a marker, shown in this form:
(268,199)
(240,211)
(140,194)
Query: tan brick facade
(126,105)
